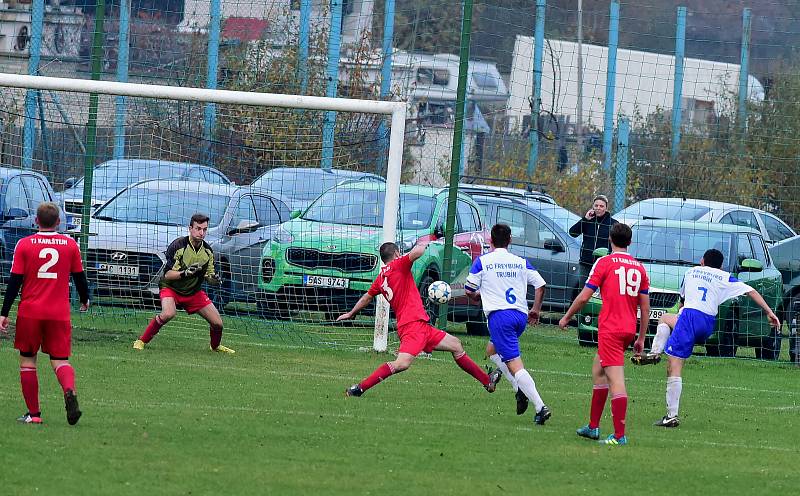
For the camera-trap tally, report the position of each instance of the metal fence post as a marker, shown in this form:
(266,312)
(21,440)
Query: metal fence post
(621,169)
(29,127)
(538,50)
(611,81)
(332,73)
(677,90)
(210,111)
(744,72)
(122,77)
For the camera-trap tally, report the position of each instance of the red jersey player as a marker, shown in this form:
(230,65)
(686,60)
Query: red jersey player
(623,286)
(42,266)
(396,283)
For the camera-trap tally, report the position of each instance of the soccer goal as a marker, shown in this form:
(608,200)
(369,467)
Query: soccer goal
(131,163)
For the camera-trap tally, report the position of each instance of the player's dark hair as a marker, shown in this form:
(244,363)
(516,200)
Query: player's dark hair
(621,235)
(387,251)
(713,258)
(501,235)
(47,215)
(198,219)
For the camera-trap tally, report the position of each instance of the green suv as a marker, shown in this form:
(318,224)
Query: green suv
(326,257)
(669,248)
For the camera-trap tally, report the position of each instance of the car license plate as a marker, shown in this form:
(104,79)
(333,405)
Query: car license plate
(655,314)
(326,282)
(74,220)
(118,270)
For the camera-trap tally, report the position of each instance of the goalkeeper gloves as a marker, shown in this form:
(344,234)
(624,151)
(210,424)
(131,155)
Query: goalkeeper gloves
(214,279)
(190,271)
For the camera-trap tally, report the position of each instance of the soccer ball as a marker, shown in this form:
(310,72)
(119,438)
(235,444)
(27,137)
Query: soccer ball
(439,291)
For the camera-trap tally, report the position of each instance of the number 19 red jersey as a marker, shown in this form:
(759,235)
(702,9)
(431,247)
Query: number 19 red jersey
(621,279)
(45,261)
(396,284)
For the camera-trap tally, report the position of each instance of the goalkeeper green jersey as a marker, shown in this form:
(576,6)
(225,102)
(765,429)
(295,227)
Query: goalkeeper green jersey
(180,255)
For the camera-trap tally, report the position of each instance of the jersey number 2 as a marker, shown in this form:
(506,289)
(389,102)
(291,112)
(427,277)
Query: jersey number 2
(629,281)
(51,255)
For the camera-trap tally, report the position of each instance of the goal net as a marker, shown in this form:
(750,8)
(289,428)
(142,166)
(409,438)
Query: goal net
(296,217)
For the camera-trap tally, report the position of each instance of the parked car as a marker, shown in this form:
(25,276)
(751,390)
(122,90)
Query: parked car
(669,248)
(112,176)
(302,185)
(131,232)
(786,256)
(21,192)
(771,227)
(325,259)
(539,230)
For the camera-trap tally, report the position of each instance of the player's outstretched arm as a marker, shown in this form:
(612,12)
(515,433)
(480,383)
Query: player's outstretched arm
(644,321)
(773,319)
(580,301)
(418,250)
(360,305)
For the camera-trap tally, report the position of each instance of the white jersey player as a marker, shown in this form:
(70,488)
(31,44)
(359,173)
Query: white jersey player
(703,289)
(500,280)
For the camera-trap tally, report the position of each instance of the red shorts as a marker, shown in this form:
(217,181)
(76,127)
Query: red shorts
(192,304)
(419,336)
(54,337)
(611,348)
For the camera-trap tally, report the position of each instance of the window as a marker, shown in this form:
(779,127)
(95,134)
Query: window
(214,177)
(526,229)
(743,249)
(466,217)
(266,211)
(776,230)
(195,174)
(15,196)
(741,218)
(485,81)
(36,191)
(759,249)
(244,213)
(429,75)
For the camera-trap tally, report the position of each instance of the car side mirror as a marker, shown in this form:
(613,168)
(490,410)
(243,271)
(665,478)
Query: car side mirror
(553,245)
(244,226)
(69,182)
(295,214)
(16,213)
(600,252)
(751,265)
(438,232)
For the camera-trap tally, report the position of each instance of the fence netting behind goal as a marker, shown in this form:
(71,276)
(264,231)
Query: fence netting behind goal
(282,277)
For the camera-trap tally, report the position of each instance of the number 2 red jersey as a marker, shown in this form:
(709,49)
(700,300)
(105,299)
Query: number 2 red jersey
(621,279)
(45,261)
(396,284)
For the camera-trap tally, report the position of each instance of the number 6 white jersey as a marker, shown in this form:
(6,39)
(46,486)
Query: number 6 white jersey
(705,288)
(503,279)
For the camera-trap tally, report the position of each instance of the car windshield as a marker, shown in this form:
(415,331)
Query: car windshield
(118,177)
(171,208)
(357,207)
(301,185)
(677,246)
(655,209)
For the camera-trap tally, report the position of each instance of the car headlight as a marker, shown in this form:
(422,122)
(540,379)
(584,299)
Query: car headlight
(281,235)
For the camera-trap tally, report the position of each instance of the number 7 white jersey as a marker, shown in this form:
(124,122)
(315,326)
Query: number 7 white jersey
(705,288)
(503,279)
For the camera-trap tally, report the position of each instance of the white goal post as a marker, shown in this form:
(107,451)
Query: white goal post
(397,110)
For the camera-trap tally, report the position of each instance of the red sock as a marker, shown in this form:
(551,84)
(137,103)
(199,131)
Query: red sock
(66,377)
(152,329)
(619,406)
(380,374)
(216,336)
(472,368)
(599,396)
(30,388)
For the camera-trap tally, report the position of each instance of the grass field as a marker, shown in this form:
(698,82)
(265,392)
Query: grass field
(272,419)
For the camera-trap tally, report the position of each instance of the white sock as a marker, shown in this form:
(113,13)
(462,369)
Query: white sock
(526,384)
(674,388)
(662,334)
(504,368)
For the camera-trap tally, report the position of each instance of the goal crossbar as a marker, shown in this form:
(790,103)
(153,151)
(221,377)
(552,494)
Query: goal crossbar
(397,111)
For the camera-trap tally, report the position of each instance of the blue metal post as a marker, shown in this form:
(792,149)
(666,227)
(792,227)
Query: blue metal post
(122,77)
(302,59)
(621,176)
(538,51)
(611,81)
(677,90)
(29,127)
(386,77)
(744,71)
(210,114)
(332,73)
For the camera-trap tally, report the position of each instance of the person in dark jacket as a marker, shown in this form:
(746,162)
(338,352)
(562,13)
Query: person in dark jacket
(595,227)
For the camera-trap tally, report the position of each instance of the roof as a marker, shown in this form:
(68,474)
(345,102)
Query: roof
(189,186)
(692,201)
(503,191)
(695,226)
(319,170)
(9,171)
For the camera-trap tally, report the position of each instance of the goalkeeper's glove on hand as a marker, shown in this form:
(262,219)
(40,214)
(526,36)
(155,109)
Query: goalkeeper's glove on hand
(214,279)
(190,270)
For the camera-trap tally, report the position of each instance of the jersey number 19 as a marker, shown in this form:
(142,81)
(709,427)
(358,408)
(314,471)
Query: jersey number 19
(629,281)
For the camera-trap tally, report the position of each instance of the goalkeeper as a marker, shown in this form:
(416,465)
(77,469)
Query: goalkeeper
(190,261)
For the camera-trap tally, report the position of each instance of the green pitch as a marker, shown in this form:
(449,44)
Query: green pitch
(177,419)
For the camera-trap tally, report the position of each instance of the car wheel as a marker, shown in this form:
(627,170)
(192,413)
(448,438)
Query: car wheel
(431,308)
(792,318)
(587,338)
(770,346)
(727,338)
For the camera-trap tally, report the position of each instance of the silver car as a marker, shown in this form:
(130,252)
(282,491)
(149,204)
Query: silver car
(130,233)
